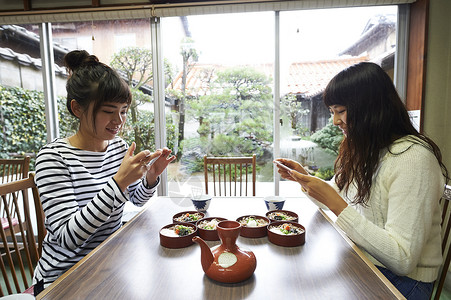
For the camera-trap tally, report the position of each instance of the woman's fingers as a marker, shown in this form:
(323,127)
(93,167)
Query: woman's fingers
(302,179)
(146,156)
(130,150)
(292,164)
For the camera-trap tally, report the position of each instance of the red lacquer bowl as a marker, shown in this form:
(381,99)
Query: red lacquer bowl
(276,237)
(184,216)
(282,215)
(169,239)
(253,231)
(208,234)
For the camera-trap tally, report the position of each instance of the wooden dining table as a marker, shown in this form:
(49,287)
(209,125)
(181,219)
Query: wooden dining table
(131,264)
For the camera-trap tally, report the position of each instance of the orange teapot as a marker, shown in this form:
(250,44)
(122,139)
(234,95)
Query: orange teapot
(227,262)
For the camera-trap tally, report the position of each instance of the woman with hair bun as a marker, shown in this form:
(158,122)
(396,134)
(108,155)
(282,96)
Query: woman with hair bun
(388,180)
(84,180)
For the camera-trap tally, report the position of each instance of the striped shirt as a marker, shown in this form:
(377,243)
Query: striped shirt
(82,203)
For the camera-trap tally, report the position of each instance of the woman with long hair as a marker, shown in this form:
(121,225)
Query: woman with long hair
(388,180)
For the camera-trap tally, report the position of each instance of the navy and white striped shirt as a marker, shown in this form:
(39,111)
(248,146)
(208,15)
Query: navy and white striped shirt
(82,203)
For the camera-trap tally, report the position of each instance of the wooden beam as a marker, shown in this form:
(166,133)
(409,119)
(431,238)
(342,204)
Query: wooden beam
(26,5)
(416,68)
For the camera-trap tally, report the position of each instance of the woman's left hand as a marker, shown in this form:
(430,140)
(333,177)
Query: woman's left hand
(321,191)
(159,165)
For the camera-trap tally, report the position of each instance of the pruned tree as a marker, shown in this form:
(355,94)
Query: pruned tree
(135,64)
(329,137)
(189,56)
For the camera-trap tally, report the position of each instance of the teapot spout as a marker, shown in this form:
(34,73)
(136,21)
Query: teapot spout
(206,257)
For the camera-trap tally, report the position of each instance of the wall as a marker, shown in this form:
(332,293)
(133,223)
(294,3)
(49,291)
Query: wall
(437,111)
(14,74)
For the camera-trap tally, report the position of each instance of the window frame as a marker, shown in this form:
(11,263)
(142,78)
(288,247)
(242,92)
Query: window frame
(409,74)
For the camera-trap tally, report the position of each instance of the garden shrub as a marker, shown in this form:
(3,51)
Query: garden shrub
(23,125)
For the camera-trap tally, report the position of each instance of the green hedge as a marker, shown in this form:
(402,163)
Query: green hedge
(23,128)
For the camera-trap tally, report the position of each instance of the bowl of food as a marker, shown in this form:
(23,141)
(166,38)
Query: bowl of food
(188,216)
(282,215)
(286,234)
(274,202)
(177,235)
(253,226)
(206,228)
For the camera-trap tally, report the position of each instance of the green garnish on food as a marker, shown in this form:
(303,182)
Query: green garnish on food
(280,217)
(181,230)
(287,229)
(190,217)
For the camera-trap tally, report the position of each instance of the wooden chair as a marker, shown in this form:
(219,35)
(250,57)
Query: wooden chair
(446,226)
(230,173)
(12,170)
(20,250)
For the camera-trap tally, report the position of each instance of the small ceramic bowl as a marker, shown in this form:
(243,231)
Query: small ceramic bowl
(191,216)
(294,236)
(169,237)
(253,226)
(201,203)
(208,234)
(282,215)
(274,202)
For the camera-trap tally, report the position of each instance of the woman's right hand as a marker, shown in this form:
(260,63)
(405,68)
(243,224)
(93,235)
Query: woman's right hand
(321,191)
(294,165)
(133,167)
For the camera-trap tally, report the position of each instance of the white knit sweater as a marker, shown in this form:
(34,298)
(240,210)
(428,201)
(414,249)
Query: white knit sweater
(400,227)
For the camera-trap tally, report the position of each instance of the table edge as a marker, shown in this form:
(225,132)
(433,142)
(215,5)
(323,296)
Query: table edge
(74,267)
(359,252)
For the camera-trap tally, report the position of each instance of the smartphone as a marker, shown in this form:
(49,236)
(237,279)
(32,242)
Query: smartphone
(282,165)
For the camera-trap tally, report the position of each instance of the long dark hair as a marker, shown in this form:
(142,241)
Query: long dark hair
(92,81)
(375,118)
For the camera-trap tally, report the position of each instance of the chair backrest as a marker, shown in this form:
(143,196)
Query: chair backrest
(230,175)
(12,170)
(20,250)
(446,227)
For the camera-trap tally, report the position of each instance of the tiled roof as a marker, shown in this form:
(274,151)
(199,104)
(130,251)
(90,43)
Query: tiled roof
(311,78)
(26,60)
(307,78)
(18,32)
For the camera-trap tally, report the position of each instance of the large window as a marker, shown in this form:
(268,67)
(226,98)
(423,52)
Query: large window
(221,92)
(220,76)
(22,109)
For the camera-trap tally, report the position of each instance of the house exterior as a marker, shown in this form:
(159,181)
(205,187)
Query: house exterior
(20,62)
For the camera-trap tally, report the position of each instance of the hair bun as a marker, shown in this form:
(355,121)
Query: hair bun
(77,58)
